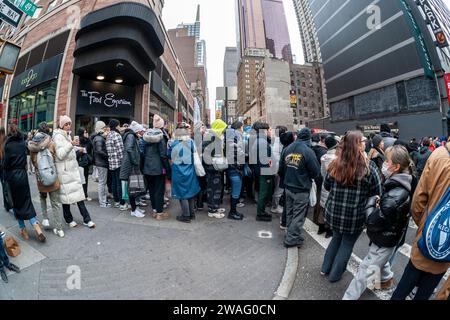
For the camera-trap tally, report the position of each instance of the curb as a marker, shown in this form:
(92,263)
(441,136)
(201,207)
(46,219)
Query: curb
(289,276)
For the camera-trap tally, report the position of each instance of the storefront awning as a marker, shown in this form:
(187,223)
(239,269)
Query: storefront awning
(120,41)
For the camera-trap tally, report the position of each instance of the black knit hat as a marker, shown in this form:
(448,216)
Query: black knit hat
(330,142)
(304,134)
(376,140)
(114,123)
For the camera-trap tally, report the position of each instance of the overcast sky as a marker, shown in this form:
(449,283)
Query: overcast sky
(218,29)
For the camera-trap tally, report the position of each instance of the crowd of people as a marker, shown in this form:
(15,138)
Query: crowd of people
(352,182)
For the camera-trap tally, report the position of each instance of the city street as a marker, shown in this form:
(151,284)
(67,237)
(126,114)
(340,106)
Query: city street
(127,258)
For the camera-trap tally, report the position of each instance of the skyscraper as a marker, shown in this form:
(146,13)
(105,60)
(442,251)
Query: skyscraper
(262,24)
(310,43)
(230,67)
(194,31)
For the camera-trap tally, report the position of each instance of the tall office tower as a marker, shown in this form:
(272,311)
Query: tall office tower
(230,67)
(308,33)
(194,31)
(263,25)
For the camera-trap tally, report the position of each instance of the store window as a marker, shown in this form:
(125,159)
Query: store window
(33,107)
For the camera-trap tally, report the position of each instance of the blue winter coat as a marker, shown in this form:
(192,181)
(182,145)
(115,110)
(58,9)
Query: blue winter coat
(185,184)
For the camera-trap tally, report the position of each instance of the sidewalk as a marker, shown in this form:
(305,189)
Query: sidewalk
(129,258)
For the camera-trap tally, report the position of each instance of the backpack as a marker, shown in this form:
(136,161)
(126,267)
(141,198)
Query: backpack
(434,243)
(46,168)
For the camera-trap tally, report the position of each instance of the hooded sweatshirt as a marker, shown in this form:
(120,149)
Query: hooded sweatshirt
(421,159)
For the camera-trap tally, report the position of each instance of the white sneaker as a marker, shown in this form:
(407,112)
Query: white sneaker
(166,205)
(166,199)
(59,233)
(117,205)
(216,215)
(105,205)
(11,211)
(88,199)
(73,224)
(123,208)
(147,197)
(45,223)
(278,210)
(90,225)
(154,210)
(240,205)
(138,214)
(140,210)
(221,210)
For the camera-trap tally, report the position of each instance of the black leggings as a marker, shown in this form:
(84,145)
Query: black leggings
(86,178)
(83,210)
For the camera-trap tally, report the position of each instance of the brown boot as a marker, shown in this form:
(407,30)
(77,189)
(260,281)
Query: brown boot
(39,233)
(24,234)
(386,285)
(162,216)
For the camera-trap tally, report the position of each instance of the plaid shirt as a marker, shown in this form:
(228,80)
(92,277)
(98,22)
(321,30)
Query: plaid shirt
(115,149)
(345,207)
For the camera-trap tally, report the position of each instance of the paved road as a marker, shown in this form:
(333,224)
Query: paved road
(127,258)
(310,285)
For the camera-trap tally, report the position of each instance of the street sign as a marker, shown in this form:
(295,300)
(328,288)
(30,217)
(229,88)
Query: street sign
(26,6)
(9,13)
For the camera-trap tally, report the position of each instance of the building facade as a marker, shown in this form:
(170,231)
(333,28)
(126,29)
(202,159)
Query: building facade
(385,72)
(71,63)
(272,94)
(230,67)
(262,24)
(194,30)
(247,69)
(311,102)
(308,33)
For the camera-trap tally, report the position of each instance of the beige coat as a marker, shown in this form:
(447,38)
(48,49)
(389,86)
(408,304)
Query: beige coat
(71,190)
(433,184)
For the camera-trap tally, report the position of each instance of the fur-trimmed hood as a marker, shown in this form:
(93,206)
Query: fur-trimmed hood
(40,142)
(153,136)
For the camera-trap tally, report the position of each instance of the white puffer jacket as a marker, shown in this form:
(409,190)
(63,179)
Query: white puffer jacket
(71,190)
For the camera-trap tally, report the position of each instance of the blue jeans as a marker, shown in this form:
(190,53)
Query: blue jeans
(413,277)
(4,260)
(33,221)
(338,254)
(236,185)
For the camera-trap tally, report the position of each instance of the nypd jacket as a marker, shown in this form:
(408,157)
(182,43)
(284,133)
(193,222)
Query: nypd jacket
(298,167)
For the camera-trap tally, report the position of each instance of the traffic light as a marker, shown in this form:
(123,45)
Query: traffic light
(9,54)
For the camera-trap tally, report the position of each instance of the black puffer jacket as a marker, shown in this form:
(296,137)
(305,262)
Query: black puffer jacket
(393,216)
(420,159)
(235,151)
(100,152)
(155,153)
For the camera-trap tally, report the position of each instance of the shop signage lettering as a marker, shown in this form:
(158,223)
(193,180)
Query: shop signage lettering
(104,99)
(107,100)
(420,41)
(29,79)
(433,21)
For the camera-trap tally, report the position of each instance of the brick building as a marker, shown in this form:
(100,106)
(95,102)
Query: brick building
(95,60)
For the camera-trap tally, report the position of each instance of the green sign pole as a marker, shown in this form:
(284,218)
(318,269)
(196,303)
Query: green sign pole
(27,6)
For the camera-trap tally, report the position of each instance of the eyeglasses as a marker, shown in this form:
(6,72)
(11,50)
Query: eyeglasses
(67,124)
